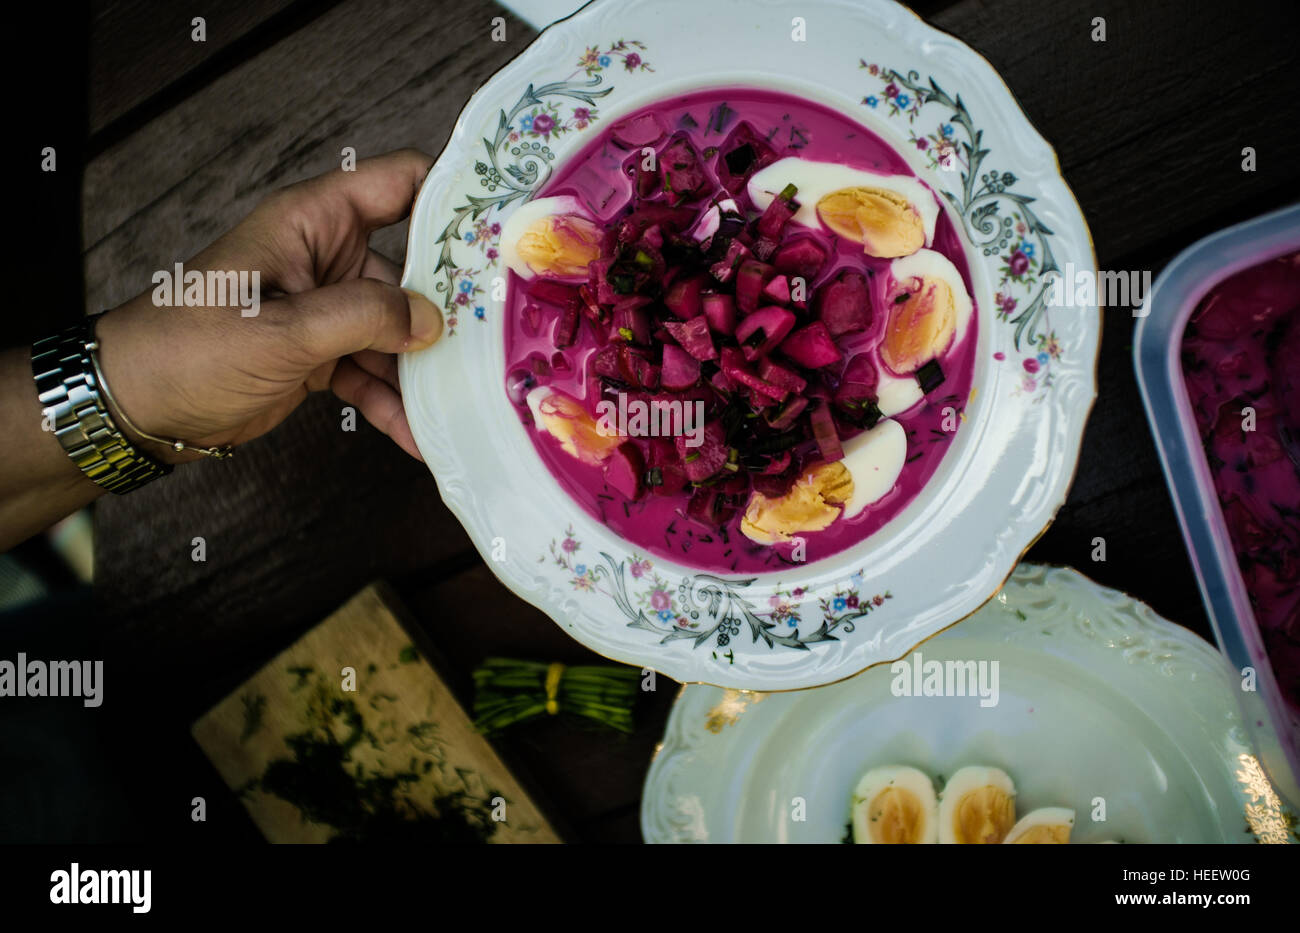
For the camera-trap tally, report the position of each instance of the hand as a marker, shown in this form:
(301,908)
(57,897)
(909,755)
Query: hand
(331,317)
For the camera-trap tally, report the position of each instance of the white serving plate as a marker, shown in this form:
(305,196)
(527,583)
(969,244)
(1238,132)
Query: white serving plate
(1009,466)
(1098,699)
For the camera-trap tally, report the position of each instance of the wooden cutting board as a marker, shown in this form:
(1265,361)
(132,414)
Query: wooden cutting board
(351,735)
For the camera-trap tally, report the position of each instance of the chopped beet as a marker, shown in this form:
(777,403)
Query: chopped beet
(930,376)
(788,414)
(605,363)
(744,153)
(693,337)
(653,237)
(823,428)
(811,346)
(760,332)
(642,130)
(683,299)
(664,459)
(673,219)
(725,268)
(631,321)
(776,216)
(703,461)
(803,257)
(532,319)
(751,278)
(778,464)
(720,312)
(553,292)
(684,176)
(566,328)
(560,362)
(844,304)
(590,306)
(855,397)
(597,281)
(764,248)
(737,370)
(777,290)
(625,470)
(680,370)
(704,505)
(774,486)
(781,377)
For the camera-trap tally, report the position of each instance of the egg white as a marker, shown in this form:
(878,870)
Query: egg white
(815,180)
(1043,816)
(875,460)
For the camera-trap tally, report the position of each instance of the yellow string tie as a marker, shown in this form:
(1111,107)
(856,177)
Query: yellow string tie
(553,675)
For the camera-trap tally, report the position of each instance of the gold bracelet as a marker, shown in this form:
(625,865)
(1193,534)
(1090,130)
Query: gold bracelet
(178,445)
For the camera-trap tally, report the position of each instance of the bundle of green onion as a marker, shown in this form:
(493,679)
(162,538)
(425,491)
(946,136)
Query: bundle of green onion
(509,690)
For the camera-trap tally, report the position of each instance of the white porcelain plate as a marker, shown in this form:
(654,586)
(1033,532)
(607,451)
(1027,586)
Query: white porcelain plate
(1100,704)
(1009,466)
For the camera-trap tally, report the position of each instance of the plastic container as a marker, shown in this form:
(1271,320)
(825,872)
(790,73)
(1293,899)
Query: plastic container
(1157,341)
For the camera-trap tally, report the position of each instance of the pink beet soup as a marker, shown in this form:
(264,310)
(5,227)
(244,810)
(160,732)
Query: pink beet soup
(1241,366)
(730,133)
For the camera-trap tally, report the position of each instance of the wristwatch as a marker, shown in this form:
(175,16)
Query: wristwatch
(77,414)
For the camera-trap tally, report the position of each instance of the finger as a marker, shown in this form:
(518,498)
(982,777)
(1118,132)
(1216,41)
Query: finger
(379,266)
(380,190)
(377,401)
(383,365)
(359,314)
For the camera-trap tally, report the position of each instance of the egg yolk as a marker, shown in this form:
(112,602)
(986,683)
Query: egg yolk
(560,245)
(883,221)
(984,816)
(895,817)
(922,323)
(1047,834)
(578,433)
(810,505)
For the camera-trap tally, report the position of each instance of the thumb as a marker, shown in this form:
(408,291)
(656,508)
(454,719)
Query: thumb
(362,314)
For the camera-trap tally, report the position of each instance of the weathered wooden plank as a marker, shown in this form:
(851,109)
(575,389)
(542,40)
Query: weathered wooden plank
(139,48)
(1149,125)
(293,525)
(370,75)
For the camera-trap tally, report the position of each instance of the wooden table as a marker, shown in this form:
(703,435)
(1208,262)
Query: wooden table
(186,137)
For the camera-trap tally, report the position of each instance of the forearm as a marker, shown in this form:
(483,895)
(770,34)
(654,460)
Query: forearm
(39,484)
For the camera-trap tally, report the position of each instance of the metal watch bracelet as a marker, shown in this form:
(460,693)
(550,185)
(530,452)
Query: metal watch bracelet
(79,417)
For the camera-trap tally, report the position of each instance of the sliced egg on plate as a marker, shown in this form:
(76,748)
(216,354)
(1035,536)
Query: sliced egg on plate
(568,422)
(890,215)
(977,806)
(811,504)
(895,804)
(929,311)
(894,394)
(874,459)
(1045,825)
(549,236)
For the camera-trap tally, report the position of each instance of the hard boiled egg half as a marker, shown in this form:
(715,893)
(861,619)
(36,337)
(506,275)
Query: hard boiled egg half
(977,807)
(550,236)
(929,310)
(890,215)
(1050,825)
(895,804)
